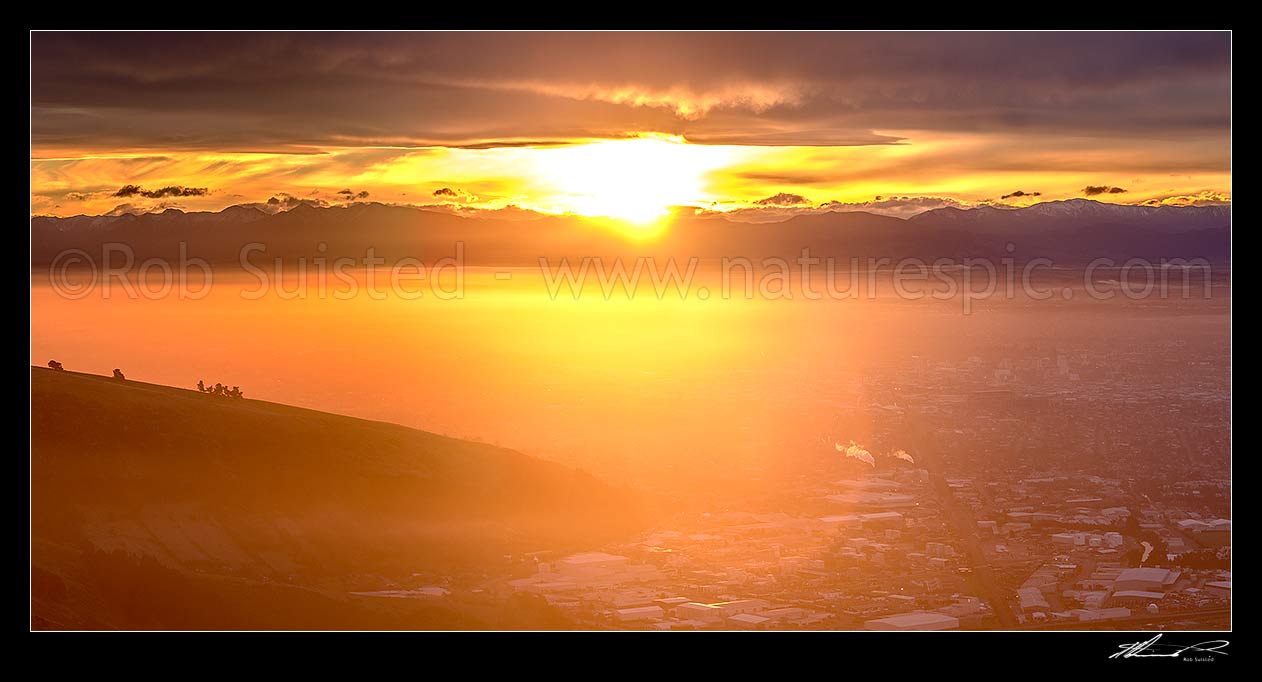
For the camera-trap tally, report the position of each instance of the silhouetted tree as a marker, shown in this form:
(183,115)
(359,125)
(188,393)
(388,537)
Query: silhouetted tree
(118,374)
(55,365)
(220,390)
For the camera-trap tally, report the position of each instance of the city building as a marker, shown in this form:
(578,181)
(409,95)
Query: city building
(1137,599)
(590,563)
(748,621)
(705,613)
(639,613)
(918,620)
(1148,579)
(1221,588)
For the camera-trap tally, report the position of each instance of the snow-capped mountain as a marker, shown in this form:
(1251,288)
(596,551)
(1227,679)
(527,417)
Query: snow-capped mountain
(1072,214)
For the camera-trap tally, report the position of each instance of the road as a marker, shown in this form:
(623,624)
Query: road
(964,525)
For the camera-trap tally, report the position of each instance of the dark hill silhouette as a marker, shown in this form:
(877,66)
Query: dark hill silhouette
(1074,231)
(266,492)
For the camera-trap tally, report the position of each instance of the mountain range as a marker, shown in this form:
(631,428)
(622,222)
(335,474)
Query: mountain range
(1073,231)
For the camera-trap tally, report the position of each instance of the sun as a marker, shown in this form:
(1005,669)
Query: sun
(636,180)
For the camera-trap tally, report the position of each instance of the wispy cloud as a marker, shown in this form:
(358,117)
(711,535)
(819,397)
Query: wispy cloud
(1203,198)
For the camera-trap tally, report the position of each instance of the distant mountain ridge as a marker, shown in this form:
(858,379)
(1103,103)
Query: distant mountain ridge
(1054,214)
(1076,230)
(1060,208)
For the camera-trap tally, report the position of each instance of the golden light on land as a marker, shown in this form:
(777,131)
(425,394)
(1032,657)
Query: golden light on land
(636,180)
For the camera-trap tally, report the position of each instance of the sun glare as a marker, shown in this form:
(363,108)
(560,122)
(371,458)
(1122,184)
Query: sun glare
(635,180)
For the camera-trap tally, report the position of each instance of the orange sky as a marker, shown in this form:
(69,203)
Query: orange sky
(627,125)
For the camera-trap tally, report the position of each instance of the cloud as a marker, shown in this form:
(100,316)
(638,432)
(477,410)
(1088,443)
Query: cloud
(78,196)
(755,136)
(283,201)
(170,191)
(782,199)
(126,209)
(352,194)
(510,212)
(455,194)
(498,144)
(786,176)
(1093,190)
(897,206)
(892,206)
(269,91)
(907,110)
(1021,193)
(1203,198)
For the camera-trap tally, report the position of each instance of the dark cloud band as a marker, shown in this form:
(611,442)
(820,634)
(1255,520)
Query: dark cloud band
(171,191)
(300,91)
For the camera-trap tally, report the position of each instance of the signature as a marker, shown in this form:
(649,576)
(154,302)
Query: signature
(1151,649)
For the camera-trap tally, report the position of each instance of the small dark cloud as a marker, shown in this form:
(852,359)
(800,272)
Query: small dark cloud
(362,195)
(177,191)
(455,194)
(352,194)
(782,199)
(1093,190)
(1021,193)
(347,192)
(77,196)
(169,191)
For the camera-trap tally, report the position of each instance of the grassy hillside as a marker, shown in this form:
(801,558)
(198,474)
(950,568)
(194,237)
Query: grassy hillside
(194,486)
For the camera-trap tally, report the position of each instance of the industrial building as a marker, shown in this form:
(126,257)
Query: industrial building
(920,620)
(1145,579)
(639,613)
